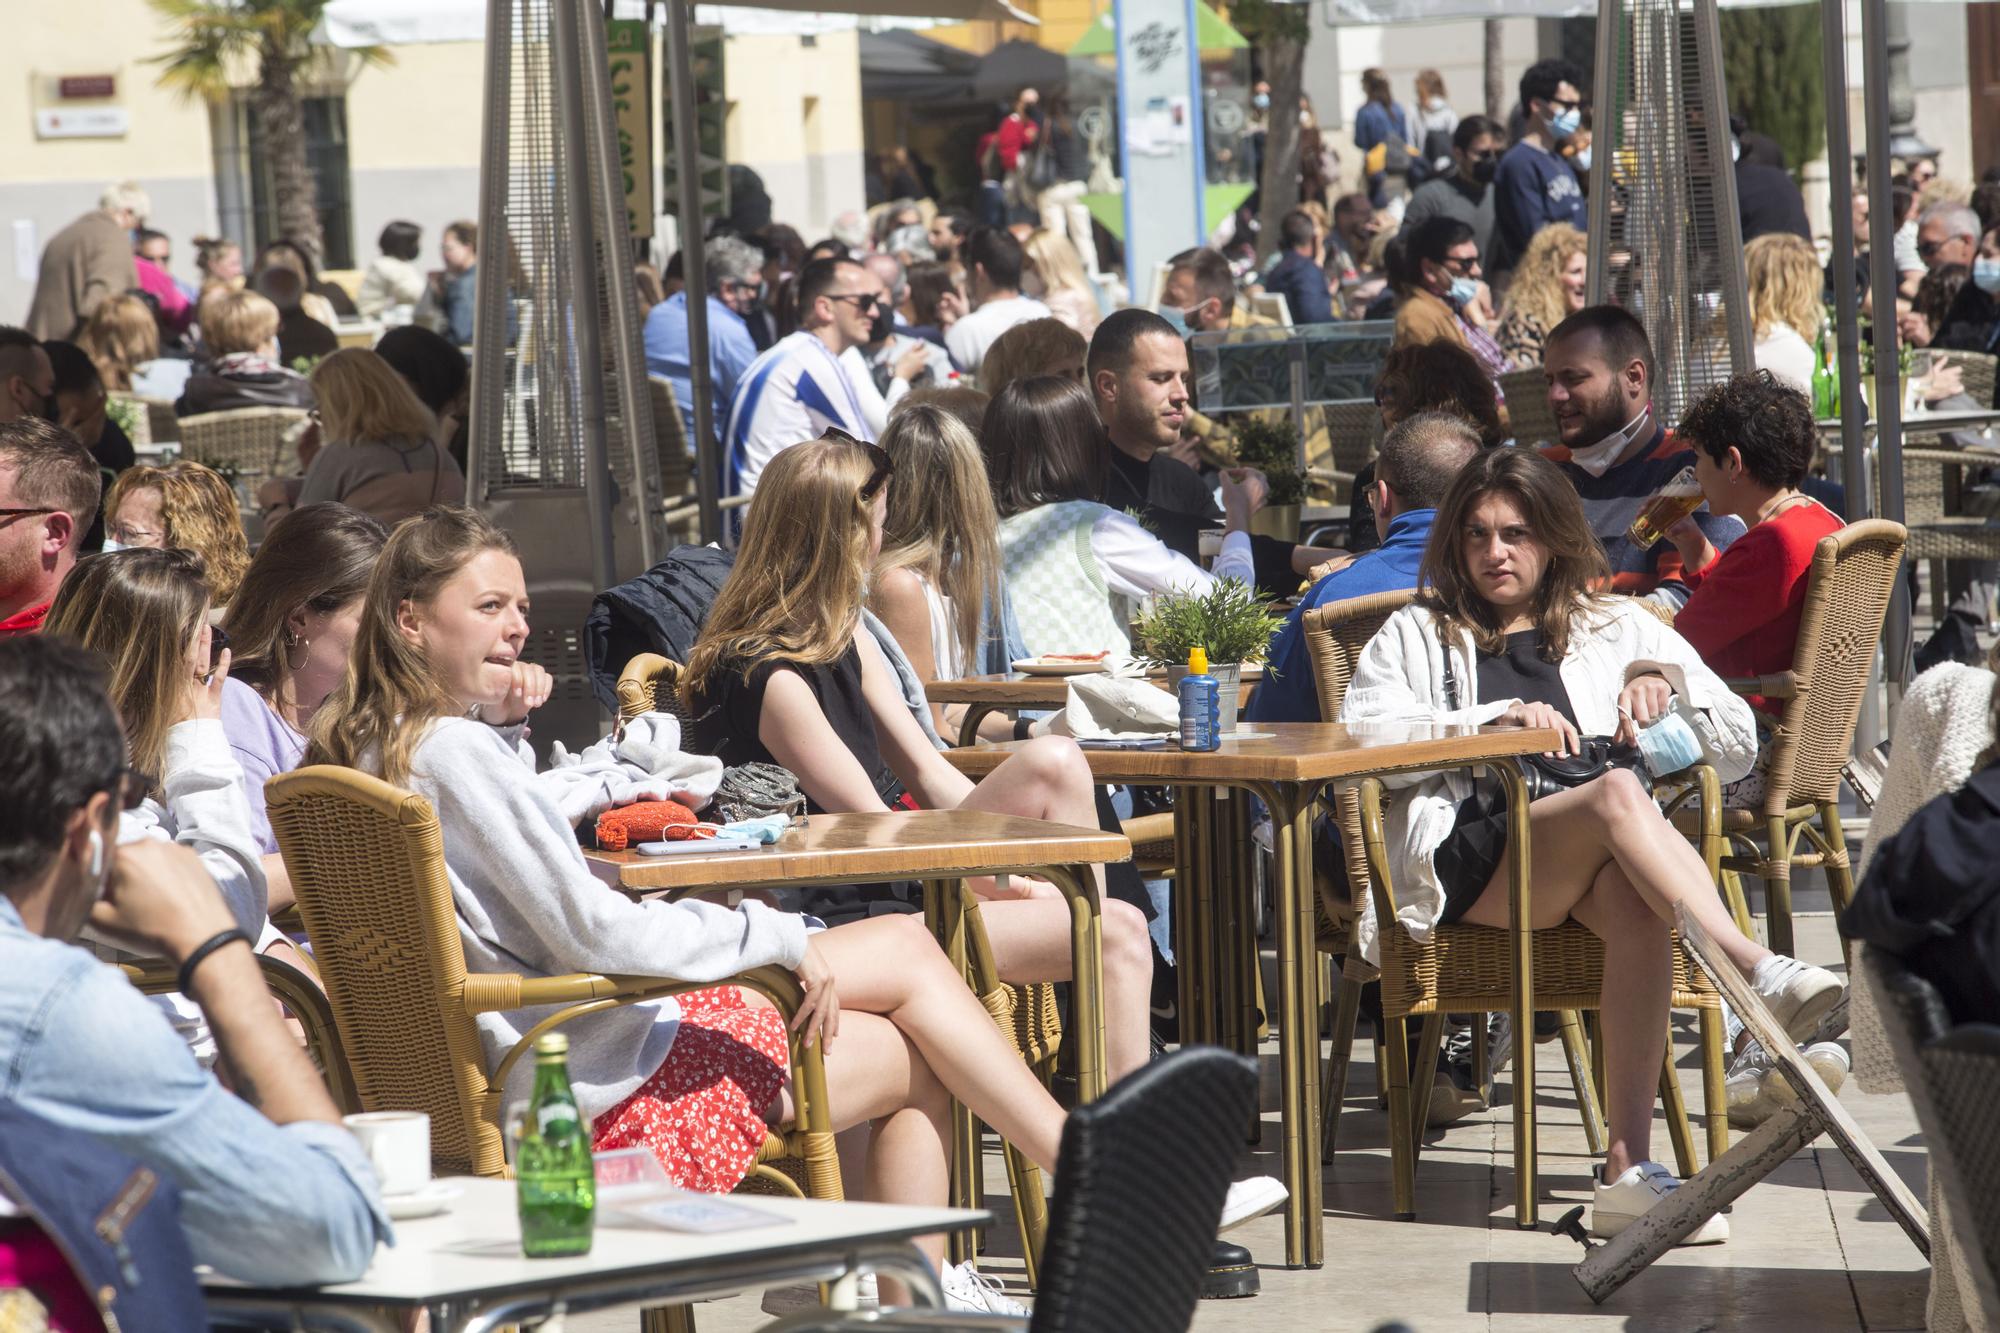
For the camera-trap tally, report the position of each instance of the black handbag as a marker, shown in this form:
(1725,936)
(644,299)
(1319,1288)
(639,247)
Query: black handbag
(1596,756)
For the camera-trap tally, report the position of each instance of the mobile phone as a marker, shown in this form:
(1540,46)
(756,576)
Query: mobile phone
(690,845)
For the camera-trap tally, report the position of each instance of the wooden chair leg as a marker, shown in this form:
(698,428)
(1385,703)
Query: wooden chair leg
(1677,1117)
(1340,1060)
(1577,1057)
(1714,1084)
(1429,1042)
(1402,1138)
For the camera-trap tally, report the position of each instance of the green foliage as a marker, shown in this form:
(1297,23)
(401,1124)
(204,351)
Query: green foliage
(1265,21)
(1230,622)
(208,40)
(128,413)
(1771,71)
(1271,445)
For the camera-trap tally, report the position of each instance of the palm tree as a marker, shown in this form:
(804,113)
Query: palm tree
(213,39)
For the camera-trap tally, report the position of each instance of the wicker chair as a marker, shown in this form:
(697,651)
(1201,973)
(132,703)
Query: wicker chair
(1528,412)
(246,444)
(1976,370)
(1853,574)
(1354,430)
(162,426)
(670,440)
(367,861)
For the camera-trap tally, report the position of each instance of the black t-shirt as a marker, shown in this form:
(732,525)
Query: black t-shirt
(1168,494)
(727,711)
(1518,672)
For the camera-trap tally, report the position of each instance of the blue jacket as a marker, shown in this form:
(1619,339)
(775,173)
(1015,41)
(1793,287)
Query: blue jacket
(1303,285)
(1374,122)
(273,1205)
(1531,189)
(1287,692)
(730,352)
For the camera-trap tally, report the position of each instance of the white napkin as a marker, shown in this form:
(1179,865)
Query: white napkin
(1119,708)
(642,761)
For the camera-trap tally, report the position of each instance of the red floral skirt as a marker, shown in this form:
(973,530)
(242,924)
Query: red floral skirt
(702,1111)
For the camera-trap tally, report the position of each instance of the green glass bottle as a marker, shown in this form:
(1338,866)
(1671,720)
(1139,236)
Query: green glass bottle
(557,1189)
(1825,381)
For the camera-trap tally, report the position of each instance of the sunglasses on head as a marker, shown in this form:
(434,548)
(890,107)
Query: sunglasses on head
(884,465)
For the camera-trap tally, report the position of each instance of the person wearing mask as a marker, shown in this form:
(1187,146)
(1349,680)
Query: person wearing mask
(889,364)
(1599,366)
(1297,276)
(393,279)
(184,505)
(1383,122)
(799,389)
(1441,296)
(994,262)
(80,409)
(240,329)
(1972,322)
(1534,184)
(27,379)
(734,272)
(1433,121)
(276,1194)
(1463,186)
(49,492)
(1948,233)
(1550,284)
(87,263)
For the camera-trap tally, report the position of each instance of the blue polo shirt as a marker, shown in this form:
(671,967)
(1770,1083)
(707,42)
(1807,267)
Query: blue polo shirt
(1287,692)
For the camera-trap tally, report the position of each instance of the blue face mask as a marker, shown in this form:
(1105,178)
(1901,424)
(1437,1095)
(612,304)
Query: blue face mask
(1177,317)
(1261,101)
(1669,745)
(1462,292)
(1581,159)
(1566,122)
(1986,274)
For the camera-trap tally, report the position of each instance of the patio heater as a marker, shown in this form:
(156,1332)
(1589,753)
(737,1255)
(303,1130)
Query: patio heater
(562,442)
(1665,239)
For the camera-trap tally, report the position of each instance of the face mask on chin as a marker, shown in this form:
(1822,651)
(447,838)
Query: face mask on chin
(1596,459)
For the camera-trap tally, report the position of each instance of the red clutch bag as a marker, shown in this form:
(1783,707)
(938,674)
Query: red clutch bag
(646,821)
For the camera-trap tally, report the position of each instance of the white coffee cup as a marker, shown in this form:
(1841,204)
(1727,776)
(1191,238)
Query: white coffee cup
(398,1144)
(1209,542)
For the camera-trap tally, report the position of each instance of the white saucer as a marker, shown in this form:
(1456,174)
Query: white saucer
(429,1201)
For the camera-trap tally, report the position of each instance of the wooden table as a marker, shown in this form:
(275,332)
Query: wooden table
(931,845)
(466,1268)
(1285,767)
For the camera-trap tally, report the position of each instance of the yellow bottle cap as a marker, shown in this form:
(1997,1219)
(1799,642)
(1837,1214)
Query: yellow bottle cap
(1198,661)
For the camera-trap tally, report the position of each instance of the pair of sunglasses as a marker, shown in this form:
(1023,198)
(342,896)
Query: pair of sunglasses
(885,466)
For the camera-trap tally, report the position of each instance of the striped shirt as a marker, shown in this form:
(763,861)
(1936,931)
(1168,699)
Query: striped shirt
(789,395)
(1613,500)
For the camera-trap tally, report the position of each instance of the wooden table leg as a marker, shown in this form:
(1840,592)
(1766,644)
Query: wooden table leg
(1298,1020)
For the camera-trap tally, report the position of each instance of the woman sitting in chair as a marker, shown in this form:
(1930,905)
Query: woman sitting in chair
(1509,631)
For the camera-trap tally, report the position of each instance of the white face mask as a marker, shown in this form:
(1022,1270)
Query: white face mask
(1596,459)
(110,546)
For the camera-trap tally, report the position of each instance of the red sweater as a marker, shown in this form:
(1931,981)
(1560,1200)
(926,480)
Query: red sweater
(1743,614)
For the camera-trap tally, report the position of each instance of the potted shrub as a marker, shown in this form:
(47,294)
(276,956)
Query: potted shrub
(1271,445)
(1230,622)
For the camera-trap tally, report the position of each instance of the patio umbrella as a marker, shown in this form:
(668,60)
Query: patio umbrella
(903,66)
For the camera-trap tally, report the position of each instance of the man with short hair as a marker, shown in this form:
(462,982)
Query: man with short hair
(1947,233)
(87,263)
(798,389)
(891,362)
(1416,465)
(950,229)
(1353,229)
(274,1191)
(1599,366)
(1297,275)
(300,336)
(734,269)
(49,491)
(27,378)
(1466,191)
(1534,185)
(993,261)
(1200,294)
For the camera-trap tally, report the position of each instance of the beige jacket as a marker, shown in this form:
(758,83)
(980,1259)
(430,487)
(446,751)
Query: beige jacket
(82,265)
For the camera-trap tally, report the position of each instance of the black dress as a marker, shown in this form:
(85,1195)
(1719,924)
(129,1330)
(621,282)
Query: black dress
(1478,841)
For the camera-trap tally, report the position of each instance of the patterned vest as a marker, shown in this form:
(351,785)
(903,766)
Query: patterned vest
(1060,596)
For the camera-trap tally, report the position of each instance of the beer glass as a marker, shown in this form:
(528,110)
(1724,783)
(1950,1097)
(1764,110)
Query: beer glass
(1676,500)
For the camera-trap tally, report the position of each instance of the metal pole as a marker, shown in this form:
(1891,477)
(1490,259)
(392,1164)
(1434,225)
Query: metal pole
(687,176)
(486,425)
(584,327)
(1888,403)
(1608,140)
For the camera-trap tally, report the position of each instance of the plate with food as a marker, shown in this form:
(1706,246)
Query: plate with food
(1063,664)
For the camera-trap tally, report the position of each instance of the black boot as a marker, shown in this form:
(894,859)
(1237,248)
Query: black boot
(1231,1273)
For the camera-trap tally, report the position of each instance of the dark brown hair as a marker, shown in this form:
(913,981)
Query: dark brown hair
(1439,377)
(929,281)
(1043,443)
(318,557)
(1770,424)
(1548,501)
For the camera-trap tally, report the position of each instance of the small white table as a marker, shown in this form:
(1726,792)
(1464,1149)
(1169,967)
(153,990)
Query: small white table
(465,1266)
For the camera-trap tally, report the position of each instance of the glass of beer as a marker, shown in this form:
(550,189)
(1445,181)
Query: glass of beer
(1676,500)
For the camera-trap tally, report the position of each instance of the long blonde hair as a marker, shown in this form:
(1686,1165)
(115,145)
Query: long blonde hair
(1537,293)
(122,335)
(1785,284)
(1056,260)
(379,713)
(138,610)
(801,570)
(199,513)
(363,400)
(942,523)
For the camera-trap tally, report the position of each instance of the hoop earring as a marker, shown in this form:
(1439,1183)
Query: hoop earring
(292,640)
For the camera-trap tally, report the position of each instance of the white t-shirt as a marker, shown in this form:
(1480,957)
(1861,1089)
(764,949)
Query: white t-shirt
(1787,355)
(968,339)
(790,394)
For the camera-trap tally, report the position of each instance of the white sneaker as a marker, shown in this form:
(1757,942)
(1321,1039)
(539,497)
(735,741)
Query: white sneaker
(1251,1198)
(1750,1103)
(1627,1199)
(1828,1060)
(1797,994)
(805,1296)
(966,1288)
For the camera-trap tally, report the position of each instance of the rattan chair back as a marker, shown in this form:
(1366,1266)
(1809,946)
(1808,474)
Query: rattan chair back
(366,860)
(1976,371)
(650,683)
(670,439)
(162,426)
(1853,574)
(246,443)
(1354,429)
(1529,415)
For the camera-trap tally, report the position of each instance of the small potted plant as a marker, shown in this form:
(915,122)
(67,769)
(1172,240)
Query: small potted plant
(1230,622)
(1271,445)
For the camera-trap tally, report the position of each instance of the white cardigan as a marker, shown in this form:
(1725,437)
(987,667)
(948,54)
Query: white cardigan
(1400,678)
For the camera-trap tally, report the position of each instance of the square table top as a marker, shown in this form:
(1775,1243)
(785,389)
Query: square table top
(866,848)
(474,1249)
(1294,752)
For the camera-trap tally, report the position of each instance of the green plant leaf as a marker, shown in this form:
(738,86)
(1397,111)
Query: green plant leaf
(1230,622)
